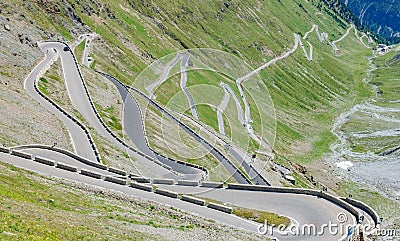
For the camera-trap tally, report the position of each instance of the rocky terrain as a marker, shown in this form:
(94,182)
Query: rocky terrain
(23,120)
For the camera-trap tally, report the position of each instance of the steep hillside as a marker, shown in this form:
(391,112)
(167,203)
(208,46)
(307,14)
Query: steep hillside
(317,70)
(382,17)
(307,94)
(341,8)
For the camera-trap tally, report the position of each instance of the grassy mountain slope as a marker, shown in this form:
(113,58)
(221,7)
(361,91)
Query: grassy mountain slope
(351,15)
(307,95)
(382,17)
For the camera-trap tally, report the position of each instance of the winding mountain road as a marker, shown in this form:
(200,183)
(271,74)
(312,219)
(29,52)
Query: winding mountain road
(244,118)
(81,101)
(81,143)
(302,209)
(231,168)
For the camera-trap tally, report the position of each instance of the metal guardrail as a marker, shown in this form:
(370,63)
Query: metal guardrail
(65,152)
(345,203)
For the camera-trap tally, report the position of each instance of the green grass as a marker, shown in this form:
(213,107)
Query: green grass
(262,216)
(5,74)
(64,32)
(31,210)
(43,80)
(388,80)
(374,144)
(254,214)
(108,115)
(79,50)
(43,86)
(227,125)
(54,77)
(359,149)
(168,91)
(319,147)
(207,116)
(93,64)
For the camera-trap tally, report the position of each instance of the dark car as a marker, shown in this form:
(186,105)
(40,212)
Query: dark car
(66,48)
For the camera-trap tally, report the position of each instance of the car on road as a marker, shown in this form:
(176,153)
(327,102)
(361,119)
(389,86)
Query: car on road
(66,48)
